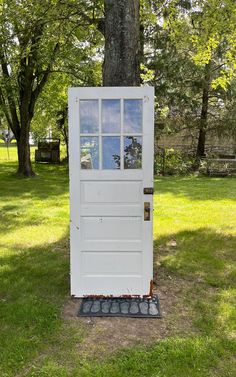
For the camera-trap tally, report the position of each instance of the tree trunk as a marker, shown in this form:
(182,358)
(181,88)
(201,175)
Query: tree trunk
(141,49)
(200,153)
(201,143)
(23,150)
(65,136)
(122,48)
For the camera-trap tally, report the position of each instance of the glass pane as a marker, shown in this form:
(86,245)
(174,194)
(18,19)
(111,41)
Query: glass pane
(132,152)
(89,152)
(111,116)
(133,115)
(111,152)
(89,116)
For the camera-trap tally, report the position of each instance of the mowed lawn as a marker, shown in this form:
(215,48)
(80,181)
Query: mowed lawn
(199,214)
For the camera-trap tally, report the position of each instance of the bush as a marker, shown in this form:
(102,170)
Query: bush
(173,162)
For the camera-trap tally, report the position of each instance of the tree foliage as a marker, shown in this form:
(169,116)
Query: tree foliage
(187,51)
(35,38)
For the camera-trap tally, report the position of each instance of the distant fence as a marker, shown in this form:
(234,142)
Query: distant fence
(191,149)
(179,159)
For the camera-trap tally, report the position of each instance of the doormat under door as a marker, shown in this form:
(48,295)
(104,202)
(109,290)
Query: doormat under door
(120,307)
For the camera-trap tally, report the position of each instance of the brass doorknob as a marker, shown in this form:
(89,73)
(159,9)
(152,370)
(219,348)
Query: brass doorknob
(147,211)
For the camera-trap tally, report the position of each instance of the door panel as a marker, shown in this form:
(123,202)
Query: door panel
(111,161)
(112,263)
(111,228)
(107,284)
(111,192)
(111,245)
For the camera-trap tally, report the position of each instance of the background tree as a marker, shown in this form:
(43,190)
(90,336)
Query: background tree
(188,51)
(84,69)
(33,34)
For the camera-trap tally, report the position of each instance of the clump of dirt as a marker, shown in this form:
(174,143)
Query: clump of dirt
(104,336)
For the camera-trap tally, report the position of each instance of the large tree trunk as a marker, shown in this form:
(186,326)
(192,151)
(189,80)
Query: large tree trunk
(200,152)
(23,150)
(122,53)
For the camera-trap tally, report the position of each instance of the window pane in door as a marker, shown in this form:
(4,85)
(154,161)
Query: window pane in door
(110,116)
(88,116)
(133,114)
(132,152)
(111,152)
(89,152)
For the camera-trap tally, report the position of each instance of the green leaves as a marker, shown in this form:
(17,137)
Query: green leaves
(207,29)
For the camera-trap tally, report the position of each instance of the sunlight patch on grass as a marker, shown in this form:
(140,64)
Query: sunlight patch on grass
(227,312)
(212,205)
(193,357)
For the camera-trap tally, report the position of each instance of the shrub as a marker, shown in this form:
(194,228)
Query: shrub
(170,161)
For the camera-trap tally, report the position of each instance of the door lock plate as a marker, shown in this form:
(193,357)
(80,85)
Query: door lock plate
(148,190)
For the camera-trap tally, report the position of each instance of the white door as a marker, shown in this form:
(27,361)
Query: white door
(111,168)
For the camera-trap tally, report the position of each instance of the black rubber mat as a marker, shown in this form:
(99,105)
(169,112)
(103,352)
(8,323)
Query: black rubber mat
(120,307)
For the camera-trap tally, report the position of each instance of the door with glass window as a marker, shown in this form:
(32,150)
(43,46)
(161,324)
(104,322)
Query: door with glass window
(111,186)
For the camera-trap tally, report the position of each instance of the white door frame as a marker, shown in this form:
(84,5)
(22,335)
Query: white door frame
(77,175)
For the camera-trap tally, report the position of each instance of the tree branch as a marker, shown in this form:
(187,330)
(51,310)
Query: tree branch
(4,108)
(36,92)
(10,97)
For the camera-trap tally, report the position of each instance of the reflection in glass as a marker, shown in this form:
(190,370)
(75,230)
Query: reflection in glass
(110,152)
(133,115)
(88,116)
(132,152)
(110,116)
(89,155)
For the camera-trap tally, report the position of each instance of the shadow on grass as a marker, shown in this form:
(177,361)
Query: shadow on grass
(197,188)
(52,180)
(203,254)
(208,261)
(33,286)
(13,216)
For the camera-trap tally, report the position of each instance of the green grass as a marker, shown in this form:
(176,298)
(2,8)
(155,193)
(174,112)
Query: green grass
(10,154)
(199,213)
